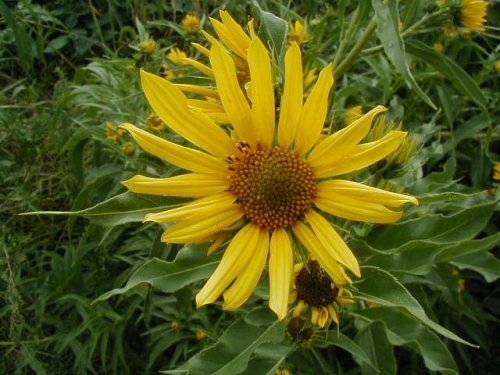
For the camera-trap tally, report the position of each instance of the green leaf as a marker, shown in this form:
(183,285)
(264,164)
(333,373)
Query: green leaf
(231,354)
(403,330)
(342,341)
(276,31)
(484,263)
(124,208)
(190,265)
(462,225)
(381,287)
(388,32)
(453,72)
(23,40)
(373,340)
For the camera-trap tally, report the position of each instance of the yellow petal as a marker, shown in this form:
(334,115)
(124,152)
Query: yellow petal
(299,309)
(333,313)
(354,201)
(323,317)
(262,85)
(355,190)
(314,315)
(190,185)
(248,278)
(171,106)
(318,251)
(291,101)
(232,34)
(235,259)
(205,51)
(198,230)
(180,156)
(219,240)
(198,208)
(280,272)
(332,242)
(234,101)
(313,115)
(198,65)
(199,90)
(363,155)
(337,145)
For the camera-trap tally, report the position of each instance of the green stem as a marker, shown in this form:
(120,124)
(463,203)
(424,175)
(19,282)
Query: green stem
(356,49)
(346,37)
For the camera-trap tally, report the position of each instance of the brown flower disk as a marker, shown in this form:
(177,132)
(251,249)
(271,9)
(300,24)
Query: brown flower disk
(273,185)
(314,286)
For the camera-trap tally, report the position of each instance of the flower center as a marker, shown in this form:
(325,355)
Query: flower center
(314,286)
(273,185)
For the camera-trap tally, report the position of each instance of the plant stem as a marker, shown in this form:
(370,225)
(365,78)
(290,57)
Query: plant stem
(346,38)
(356,49)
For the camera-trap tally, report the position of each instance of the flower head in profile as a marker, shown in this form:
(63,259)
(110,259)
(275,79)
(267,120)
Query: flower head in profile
(266,182)
(315,291)
(296,33)
(472,14)
(176,55)
(191,24)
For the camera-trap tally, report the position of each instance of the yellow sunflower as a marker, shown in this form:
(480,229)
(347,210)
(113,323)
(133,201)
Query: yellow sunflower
(263,181)
(473,14)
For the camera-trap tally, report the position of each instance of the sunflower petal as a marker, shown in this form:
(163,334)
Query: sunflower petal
(171,106)
(247,279)
(280,272)
(363,155)
(355,201)
(199,90)
(262,87)
(189,185)
(234,101)
(313,115)
(318,251)
(198,208)
(337,145)
(199,229)
(236,257)
(183,157)
(199,66)
(291,101)
(332,242)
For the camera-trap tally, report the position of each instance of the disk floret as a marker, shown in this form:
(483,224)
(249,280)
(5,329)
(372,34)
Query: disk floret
(274,186)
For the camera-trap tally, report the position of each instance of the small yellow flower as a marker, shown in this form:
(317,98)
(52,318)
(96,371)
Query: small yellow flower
(439,47)
(404,153)
(497,65)
(168,73)
(450,32)
(473,14)
(311,76)
(128,148)
(466,34)
(175,325)
(200,335)
(111,133)
(285,371)
(176,55)
(148,46)
(191,24)
(297,33)
(496,171)
(154,122)
(353,113)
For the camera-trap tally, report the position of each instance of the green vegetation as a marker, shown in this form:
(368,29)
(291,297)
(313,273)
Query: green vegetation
(96,291)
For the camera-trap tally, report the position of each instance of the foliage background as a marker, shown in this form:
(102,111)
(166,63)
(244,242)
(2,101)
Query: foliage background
(67,67)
